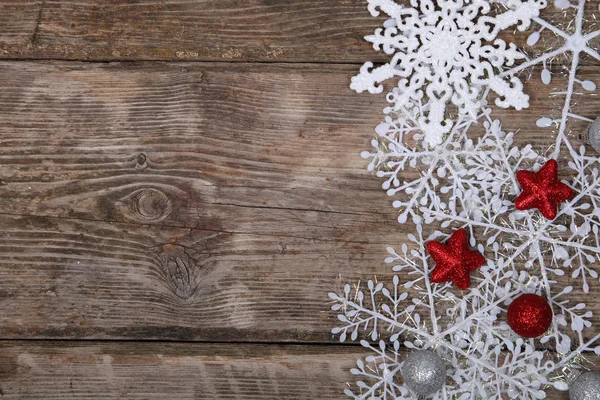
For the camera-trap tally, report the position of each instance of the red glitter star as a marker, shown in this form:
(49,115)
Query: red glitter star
(454,261)
(542,190)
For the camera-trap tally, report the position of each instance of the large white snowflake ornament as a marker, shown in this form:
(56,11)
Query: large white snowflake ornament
(447,51)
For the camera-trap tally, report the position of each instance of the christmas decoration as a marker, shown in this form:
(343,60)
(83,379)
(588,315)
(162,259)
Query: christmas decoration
(585,387)
(575,42)
(468,180)
(470,337)
(592,135)
(454,261)
(424,372)
(529,315)
(441,55)
(542,190)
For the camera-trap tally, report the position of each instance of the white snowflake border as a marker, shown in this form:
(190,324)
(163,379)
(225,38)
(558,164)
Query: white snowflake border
(476,179)
(487,359)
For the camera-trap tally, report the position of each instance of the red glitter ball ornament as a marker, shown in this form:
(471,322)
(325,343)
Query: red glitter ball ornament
(542,190)
(454,261)
(529,315)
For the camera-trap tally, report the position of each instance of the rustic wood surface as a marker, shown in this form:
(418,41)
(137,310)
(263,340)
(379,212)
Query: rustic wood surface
(246,176)
(183,371)
(201,30)
(213,202)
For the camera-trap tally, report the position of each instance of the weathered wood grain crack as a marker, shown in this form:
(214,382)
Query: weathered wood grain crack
(315,210)
(36,29)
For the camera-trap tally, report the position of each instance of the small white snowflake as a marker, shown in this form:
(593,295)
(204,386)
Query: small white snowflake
(574,44)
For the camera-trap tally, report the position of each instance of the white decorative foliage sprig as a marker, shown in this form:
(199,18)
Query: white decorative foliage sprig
(448,179)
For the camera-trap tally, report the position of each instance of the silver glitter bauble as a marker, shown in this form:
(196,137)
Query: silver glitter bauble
(424,372)
(585,387)
(592,136)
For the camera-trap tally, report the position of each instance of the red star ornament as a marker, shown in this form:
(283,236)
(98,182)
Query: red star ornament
(454,261)
(542,190)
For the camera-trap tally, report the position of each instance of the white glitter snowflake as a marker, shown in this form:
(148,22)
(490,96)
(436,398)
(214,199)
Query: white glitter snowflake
(473,175)
(470,183)
(447,51)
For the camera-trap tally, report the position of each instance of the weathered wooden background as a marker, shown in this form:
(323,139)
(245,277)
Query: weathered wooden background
(180,187)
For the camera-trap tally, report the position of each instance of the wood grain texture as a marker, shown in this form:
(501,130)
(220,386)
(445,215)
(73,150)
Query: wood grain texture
(240,192)
(231,30)
(201,30)
(192,201)
(123,371)
(136,371)
(88,279)
(215,138)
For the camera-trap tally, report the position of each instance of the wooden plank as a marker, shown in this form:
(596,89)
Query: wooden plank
(201,30)
(210,146)
(62,278)
(192,201)
(147,371)
(66,370)
(250,177)
(220,144)
(306,30)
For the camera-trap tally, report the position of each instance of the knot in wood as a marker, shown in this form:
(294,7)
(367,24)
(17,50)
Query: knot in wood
(181,271)
(146,205)
(141,162)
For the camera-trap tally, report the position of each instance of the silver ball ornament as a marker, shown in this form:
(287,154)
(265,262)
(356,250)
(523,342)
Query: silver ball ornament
(585,387)
(592,135)
(424,372)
